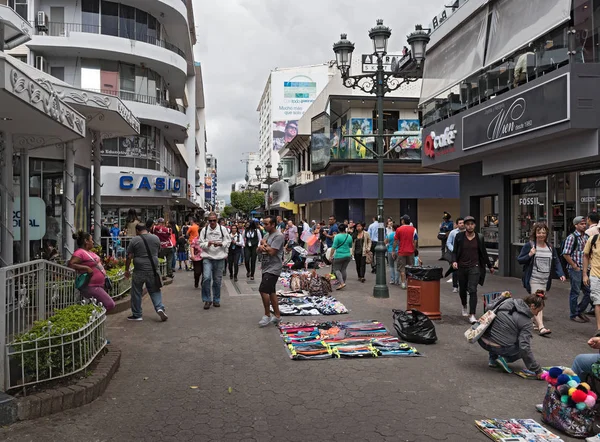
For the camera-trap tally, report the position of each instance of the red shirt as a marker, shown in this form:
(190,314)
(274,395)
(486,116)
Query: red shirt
(405,235)
(164,234)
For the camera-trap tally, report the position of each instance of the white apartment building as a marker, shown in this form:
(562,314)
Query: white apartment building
(288,93)
(140,51)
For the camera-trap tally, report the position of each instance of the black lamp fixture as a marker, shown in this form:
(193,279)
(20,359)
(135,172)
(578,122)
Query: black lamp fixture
(257,170)
(269,167)
(380,35)
(280,171)
(418,42)
(343,54)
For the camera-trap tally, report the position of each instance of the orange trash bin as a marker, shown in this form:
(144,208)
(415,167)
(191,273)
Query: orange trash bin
(423,290)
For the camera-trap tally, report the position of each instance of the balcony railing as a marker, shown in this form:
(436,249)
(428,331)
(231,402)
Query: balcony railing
(138,98)
(56,29)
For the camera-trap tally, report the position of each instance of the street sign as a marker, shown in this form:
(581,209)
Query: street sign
(392,63)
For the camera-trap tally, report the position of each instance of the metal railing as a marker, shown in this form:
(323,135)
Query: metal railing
(56,29)
(31,292)
(139,98)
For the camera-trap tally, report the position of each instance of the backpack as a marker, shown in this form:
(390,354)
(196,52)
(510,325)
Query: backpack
(220,227)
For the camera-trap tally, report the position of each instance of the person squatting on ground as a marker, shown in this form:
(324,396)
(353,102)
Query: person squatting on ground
(252,238)
(539,258)
(508,338)
(214,241)
(271,249)
(143,251)
(470,258)
(360,249)
(573,254)
(235,251)
(342,255)
(84,260)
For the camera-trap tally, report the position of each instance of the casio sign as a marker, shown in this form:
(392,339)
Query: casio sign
(435,142)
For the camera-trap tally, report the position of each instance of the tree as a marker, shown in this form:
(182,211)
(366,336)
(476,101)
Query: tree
(228,211)
(246,202)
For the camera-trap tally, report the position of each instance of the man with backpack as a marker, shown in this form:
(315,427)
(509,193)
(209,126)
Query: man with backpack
(573,251)
(214,241)
(591,257)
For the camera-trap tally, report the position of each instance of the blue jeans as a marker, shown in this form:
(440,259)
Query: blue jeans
(577,286)
(510,354)
(582,365)
(138,279)
(394,275)
(212,275)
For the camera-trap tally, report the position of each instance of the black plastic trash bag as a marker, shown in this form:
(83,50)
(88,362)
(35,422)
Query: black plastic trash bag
(425,273)
(414,326)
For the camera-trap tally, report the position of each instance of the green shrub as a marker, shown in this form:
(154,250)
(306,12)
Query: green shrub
(51,355)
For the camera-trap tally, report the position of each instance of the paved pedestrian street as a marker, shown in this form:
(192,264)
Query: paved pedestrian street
(216,376)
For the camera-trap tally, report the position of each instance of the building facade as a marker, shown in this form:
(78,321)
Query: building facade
(142,53)
(520,124)
(288,93)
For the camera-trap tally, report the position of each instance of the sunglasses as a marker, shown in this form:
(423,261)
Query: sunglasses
(212,220)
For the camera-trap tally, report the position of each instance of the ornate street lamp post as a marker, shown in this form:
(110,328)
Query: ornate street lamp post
(269,179)
(379,84)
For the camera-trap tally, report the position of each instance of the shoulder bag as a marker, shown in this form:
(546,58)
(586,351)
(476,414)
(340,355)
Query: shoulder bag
(476,331)
(157,277)
(107,282)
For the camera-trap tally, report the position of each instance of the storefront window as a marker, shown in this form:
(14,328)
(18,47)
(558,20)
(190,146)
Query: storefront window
(589,192)
(133,151)
(529,201)
(90,16)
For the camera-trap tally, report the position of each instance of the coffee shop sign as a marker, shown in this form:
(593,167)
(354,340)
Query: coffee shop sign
(434,143)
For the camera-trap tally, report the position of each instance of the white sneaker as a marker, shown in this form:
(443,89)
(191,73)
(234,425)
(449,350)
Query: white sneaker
(266,320)
(275,320)
(403,285)
(595,438)
(454,290)
(472,319)
(465,313)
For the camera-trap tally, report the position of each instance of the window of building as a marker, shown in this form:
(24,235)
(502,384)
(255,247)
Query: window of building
(110,18)
(20,7)
(133,151)
(529,205)
(58,72)
(152,30)
(127,21)
(90,16)
(589,192)
(127,83)
(141,25)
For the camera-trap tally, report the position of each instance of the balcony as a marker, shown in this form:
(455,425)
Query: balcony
(146,99)
(304,177)
(56,29)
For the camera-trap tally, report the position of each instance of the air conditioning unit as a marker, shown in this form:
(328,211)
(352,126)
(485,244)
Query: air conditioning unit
(41,22)
(41,63)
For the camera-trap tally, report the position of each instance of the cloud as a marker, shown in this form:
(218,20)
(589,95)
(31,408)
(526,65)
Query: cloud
(241,41)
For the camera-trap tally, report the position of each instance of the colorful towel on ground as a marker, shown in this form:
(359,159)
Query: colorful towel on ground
(342,339)
(516,430)
(310,306)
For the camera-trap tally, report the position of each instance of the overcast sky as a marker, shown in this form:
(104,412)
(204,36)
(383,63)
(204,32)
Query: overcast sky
(241,41)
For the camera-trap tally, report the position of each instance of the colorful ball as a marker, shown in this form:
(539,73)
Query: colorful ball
(555,372)
(586,385)
(571,390)
(593,394)
(563,379)
(590,402)
(564,399)
(545,376)
(569,372)
(572,384)
(580,406)
(576,378)
(563,390)
(578,396)
(582,388)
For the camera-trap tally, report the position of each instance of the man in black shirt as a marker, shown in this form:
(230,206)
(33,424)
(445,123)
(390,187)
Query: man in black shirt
(470,258)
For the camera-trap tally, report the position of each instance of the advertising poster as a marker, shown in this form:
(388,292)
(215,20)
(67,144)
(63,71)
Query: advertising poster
(292,93)
(208,188)
(360,127)
(410,129)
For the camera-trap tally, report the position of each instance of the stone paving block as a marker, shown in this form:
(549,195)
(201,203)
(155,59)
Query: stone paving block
(57,400)
(45,403)
(78,395)
(29,407)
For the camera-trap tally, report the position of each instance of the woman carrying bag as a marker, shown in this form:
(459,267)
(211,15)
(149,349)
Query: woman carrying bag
(361,250)
(539,258)
(342,255)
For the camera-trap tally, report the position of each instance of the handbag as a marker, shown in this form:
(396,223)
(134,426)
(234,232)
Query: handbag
(569,420)
(157,277)
(474,333)
(82,280)
(369,257)
(108,285)
(442,236)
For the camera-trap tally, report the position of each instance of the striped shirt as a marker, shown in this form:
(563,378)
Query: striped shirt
(575,250)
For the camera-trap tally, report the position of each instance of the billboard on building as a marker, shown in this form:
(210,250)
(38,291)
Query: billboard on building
(208,188)
(292,93)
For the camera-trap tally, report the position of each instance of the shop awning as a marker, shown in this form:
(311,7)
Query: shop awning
(298,145)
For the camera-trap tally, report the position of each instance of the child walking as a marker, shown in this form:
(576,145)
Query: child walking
(182,252)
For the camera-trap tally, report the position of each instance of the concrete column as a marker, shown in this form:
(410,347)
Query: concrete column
(2,39)
(24,190)
(190,142)
(69,194)
(97,163)
(7,202)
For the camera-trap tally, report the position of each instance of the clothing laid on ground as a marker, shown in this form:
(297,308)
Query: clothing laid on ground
(136,247)
(273,264)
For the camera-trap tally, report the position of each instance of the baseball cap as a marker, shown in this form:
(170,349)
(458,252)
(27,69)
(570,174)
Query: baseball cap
(577,220)
(469,218)
(161,220)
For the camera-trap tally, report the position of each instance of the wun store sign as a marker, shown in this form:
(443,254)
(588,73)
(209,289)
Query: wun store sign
(133,184)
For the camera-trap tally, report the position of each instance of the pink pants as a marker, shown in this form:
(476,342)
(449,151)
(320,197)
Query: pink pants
(101,296)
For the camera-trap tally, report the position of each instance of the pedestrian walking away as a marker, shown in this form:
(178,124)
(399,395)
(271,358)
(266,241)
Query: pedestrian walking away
(470,258)
(235,250)
(374,234)
(252,238)
(342,255)
(539,258)
(573,254)
(361,250)
(166,246)
(392,252)
(86,261)
(446,226)
(143,251)
(182,252)
(214,240)
(460,227)
(591,259)
(196,258)
(405,240)
(271,249)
